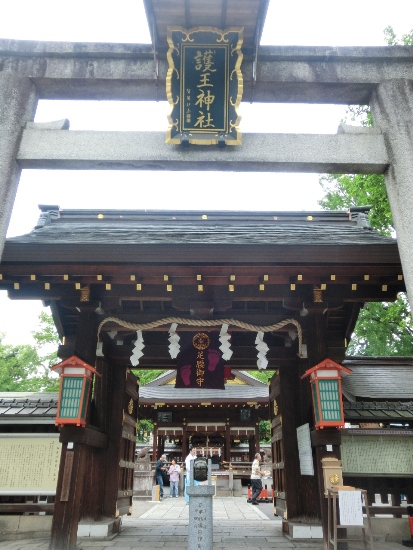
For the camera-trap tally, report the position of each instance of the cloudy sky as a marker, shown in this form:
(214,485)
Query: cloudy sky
(298,22)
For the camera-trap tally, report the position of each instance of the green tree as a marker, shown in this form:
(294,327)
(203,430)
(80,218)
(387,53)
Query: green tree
(18,367)
(344,191)
(145,427)
(382,328)
(146,376)
(264,431)
(392,40)
(262,375)
(26,367)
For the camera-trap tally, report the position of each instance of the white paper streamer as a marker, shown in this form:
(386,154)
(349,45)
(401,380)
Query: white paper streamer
(225,346)
(137,350)
(262,348)
(174,338)
(99,350)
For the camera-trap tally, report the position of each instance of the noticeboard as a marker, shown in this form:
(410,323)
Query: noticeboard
(381,454)
(29,465)
(305,450)
(204,86)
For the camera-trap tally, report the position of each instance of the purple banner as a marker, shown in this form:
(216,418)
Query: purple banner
(199,362)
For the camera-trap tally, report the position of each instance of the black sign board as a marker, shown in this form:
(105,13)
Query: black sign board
(204,86)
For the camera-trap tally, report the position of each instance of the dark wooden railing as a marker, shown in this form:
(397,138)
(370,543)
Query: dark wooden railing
(386,495)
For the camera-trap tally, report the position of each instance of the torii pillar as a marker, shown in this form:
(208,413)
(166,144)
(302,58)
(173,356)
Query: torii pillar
(18,102)
(392,109)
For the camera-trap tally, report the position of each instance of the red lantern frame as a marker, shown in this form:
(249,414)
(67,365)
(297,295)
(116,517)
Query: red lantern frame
(326,392)
(76,378)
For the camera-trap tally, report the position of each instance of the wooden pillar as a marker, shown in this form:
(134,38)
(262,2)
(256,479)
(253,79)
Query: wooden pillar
(117,383)
(73,484)
(257,437)
(155,442)
(311,487)
(184,441)
(251,447)
(228,441)
(68,497)
(319,440)
(160,446)
(94,489)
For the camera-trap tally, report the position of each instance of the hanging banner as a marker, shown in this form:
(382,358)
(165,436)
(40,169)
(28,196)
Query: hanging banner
(199,362)
(204,86)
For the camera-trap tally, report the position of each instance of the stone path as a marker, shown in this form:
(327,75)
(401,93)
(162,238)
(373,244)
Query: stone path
(164,525)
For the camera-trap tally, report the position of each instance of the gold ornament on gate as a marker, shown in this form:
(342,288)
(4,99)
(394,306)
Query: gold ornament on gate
(275,407)
(201,341)
(130,406)
(334,479)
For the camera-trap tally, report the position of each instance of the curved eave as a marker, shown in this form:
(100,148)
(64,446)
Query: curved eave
(200,253)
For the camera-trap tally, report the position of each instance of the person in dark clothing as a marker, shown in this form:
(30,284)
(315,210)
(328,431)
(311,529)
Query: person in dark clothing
(159,470)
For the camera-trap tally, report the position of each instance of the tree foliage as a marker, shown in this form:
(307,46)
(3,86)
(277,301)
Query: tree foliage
(146,376)
(26,368)
(392,39)
(382,328)
(344,191)
(262,375)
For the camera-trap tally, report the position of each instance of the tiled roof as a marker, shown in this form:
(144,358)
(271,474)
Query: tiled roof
(213,233)
(171,374)
(375,411)
(379,378)
(118,235)
(23,407)
(232,394)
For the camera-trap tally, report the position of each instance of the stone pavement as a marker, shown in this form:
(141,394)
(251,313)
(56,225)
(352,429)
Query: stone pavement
(164,525)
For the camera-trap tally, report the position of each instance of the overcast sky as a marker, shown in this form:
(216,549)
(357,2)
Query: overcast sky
(299,22)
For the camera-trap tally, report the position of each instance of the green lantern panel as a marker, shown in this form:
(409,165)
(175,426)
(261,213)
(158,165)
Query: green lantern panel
(330,400)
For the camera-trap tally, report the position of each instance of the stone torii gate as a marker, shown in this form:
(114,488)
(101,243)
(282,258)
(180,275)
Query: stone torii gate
(378,76)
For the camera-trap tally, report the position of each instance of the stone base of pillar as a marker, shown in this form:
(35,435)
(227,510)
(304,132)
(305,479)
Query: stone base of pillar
(107,528)
(200,527)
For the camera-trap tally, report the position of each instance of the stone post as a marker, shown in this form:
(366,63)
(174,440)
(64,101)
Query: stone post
(200,526)
(18,101)
(392,109)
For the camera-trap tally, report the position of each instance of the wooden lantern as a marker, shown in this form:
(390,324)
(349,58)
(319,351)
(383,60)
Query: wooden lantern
(75,386)
(325,379)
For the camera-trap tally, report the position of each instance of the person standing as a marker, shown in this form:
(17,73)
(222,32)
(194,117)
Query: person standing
(159,469)
(174,471)
(256,475)
(191,456)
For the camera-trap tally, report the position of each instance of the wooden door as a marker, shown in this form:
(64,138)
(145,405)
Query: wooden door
(127,445)
(277,449)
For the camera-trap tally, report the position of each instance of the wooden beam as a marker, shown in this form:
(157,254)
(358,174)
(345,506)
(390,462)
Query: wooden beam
(86,436)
